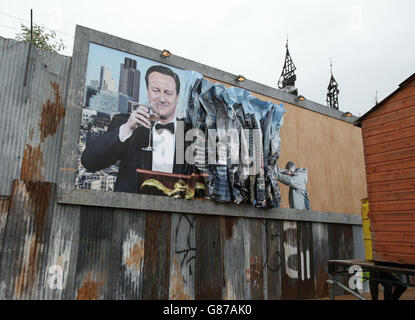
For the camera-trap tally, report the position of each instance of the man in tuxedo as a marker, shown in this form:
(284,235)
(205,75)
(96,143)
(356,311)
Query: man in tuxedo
(128,133)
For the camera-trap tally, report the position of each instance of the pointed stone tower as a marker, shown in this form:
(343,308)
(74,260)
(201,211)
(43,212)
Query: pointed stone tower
(288,77)
(332,91)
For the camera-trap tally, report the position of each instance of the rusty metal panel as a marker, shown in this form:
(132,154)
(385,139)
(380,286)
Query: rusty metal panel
(32,92)
(182,257)
(14,111)
(60,263)
(209,260)
(4,210)
(95,259)
(321,258)
(233,258)
(157,255)
(126,277)
(273,259)
(25,241)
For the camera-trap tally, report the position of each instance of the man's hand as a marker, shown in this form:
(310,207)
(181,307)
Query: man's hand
(139,117)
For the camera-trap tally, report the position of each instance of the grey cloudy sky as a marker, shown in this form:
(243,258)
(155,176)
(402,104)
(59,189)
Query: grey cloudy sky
(371,42)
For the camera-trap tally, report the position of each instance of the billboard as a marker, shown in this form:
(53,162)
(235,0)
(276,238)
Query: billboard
(151,128)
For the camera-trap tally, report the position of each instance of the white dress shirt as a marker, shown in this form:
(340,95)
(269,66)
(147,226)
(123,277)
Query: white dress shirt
(164,143)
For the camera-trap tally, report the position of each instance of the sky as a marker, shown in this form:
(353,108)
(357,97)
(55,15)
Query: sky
(370,42)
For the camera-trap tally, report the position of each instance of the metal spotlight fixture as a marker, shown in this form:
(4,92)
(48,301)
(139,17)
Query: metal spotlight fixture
(347,114)
(240,78)
(165,53)
(300,98)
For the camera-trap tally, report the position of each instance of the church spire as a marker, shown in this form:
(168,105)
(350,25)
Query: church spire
(288,77)
(332,91)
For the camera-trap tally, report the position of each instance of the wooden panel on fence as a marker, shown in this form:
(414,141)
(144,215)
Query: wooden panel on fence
(209,265)
(157,256)
(290,268)
(273,259)
(256,274)
(340,247)
(321,258)
(182,257)
(306,257)
(233,258)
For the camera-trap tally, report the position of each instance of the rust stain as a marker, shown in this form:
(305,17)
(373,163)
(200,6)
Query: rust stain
(32,163)
(256,269)
(230,222)
(38,194)
(90,289)
(26,278)
(52,114)
(178,291)
(4,205)
(136,256)
(31,134)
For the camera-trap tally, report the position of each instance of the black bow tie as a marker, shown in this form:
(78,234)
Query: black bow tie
(168,126)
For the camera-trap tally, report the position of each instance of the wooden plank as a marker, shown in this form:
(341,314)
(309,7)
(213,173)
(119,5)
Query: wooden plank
(401,185)
(402,247)
(392,216)
(321,258)
(373,121)
(389,127)
(390,166)
(389,136)
(233,258)
(394,257)
(397,236)
(392,206)
(256,275)
(209,260)
(306,288)
(157,256)
(390,156)
(94,260)
(400,100)
(290,268)
(399,226)
(273,259)
(182,257)
(382,147)
(392,196)
(403,174)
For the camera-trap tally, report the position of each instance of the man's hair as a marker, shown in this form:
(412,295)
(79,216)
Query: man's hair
(166,71)
(290,166)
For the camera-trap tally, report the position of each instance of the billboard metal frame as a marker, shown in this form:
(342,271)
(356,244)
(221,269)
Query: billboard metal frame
(74,104)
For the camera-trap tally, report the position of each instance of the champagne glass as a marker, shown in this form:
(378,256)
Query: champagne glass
(153,110)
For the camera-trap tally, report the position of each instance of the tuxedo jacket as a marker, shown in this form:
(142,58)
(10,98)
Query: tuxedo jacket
(107,149)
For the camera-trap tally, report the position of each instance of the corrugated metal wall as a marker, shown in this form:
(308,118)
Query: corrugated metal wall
(54,251)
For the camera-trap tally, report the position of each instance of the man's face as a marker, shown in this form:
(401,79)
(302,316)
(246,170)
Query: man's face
(161,91)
